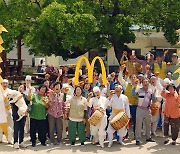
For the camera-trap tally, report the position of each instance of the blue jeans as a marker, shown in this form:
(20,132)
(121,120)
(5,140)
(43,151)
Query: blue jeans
(133,114)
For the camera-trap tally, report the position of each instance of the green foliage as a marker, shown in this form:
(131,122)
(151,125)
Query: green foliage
(69,28)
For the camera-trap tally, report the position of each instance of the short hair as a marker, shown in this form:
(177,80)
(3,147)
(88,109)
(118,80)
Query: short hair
(132,75)
(76,88)
(145,79)
(45,80)
(56,83)
(43,86)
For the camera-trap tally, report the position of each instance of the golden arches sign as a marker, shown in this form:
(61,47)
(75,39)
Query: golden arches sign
(90,68)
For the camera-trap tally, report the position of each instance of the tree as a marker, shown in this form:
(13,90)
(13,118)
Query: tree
(70,28)
(17,16)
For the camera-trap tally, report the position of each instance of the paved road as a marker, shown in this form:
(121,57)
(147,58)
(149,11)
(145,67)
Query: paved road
(128,148)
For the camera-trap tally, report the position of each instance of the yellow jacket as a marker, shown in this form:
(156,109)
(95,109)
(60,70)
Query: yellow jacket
(162,71)
(131,67)
(133,100)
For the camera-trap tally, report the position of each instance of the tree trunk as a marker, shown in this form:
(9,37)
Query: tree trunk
(19,67)
(119,48)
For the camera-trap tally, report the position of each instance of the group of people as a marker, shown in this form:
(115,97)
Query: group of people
(144,90)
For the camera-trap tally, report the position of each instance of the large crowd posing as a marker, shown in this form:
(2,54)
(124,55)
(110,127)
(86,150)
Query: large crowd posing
(142,94)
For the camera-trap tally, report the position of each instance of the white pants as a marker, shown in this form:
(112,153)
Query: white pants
(110,130)
(154,122)
(10,127)
(98,132)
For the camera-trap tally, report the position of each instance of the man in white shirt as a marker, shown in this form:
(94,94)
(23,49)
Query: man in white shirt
(119,103)
(98,132)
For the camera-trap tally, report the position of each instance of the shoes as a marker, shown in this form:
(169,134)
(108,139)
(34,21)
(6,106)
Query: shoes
(154,134)
(102,145)
(166,141)
(43,144)
(82,144)
(52,144)
(10,142)
(173,142)
(73,144)
(33,144)
(110,144)
(16,146)
(60,144)
(22,145)
(121,143)
(138,143)
(150,140)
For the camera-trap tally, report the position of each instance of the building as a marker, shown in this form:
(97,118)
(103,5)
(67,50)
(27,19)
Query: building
(143,44)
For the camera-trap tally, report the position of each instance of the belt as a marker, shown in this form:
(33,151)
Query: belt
(143,108)
(116,111)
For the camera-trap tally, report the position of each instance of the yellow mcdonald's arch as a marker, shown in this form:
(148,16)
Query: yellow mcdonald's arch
(90,68)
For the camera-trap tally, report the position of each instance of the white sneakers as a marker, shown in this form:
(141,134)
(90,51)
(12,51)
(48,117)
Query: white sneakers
(102,145)
(110,144)
(22,145)
(17,146)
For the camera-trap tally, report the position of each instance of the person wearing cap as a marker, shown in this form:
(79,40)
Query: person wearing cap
(174,65)
(133,100)
(159,66)
(119,103)
(146,96)
(28,90)
(6,90)
(170,76)
(131,65)
(140,78)
(99,103)
(171,112)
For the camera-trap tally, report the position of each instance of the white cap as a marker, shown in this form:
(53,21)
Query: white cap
(96,89)
(5,81)
(167,81)
(28,77)
(65,85)
(109,76)
(118,86)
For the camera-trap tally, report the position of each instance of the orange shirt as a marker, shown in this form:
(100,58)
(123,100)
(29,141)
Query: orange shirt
(171,108)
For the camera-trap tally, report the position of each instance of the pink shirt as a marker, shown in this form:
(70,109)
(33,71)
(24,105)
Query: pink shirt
(56,105)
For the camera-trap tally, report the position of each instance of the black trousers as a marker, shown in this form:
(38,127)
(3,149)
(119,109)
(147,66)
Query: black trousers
(38,126)
(19,130)
(175,123)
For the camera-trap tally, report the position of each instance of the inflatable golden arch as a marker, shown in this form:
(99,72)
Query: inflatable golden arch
(90,68)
